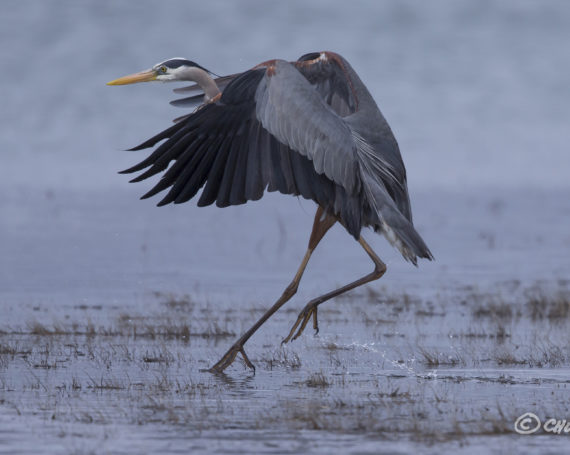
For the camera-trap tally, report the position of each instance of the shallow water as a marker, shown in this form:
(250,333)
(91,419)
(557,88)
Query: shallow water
(101,348)
(110,306)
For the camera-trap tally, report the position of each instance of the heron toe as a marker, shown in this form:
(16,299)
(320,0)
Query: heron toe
(229,358)
(303,320)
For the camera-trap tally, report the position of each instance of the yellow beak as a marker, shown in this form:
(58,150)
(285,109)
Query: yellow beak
(143,76)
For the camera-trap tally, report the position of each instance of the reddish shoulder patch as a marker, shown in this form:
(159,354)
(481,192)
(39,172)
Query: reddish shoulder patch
(269,64)
(215,98)
(265,64)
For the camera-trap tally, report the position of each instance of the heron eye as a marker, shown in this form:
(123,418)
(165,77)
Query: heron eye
(163,69)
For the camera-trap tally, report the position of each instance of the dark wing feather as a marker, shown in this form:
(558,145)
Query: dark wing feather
(255,182)
(167,133)
(214,178)
(189,101)
(223,148)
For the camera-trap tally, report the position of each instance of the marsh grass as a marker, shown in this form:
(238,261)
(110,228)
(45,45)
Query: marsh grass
(533,303)
(142,369)
(553,307)
(433,358)
(495,310)
(13,349)
(176,302)
(318,380)
(126,327)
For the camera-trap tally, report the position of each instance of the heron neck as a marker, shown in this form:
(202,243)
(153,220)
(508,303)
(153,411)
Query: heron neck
(203,79)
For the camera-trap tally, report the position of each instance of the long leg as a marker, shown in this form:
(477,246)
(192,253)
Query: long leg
(321,225)
(311,308)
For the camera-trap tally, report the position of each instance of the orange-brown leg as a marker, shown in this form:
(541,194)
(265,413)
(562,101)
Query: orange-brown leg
(311,308)
(321,225)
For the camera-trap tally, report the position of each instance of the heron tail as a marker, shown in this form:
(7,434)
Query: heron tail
(398,230)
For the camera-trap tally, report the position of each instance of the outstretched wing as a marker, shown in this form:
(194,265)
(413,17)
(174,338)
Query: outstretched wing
(308,128)
(226,149)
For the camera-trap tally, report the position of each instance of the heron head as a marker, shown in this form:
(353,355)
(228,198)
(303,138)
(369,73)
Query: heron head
(174,69)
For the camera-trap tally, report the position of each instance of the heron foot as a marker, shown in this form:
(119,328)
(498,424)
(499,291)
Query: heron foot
(229,358)
(302,321)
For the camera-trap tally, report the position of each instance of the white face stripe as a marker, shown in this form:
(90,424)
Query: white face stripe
(158,65)
(175,67)
(182,73)
(171,73)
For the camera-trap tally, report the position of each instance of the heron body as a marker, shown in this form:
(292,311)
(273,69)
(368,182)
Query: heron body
(308,128)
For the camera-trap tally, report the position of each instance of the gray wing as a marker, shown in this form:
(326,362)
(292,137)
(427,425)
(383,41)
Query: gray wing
(291,110)
(340,86)
(272,128)
(335,123)
(225,149)
(380,169)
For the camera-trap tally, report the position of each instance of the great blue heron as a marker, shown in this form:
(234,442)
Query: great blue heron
(308,128)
